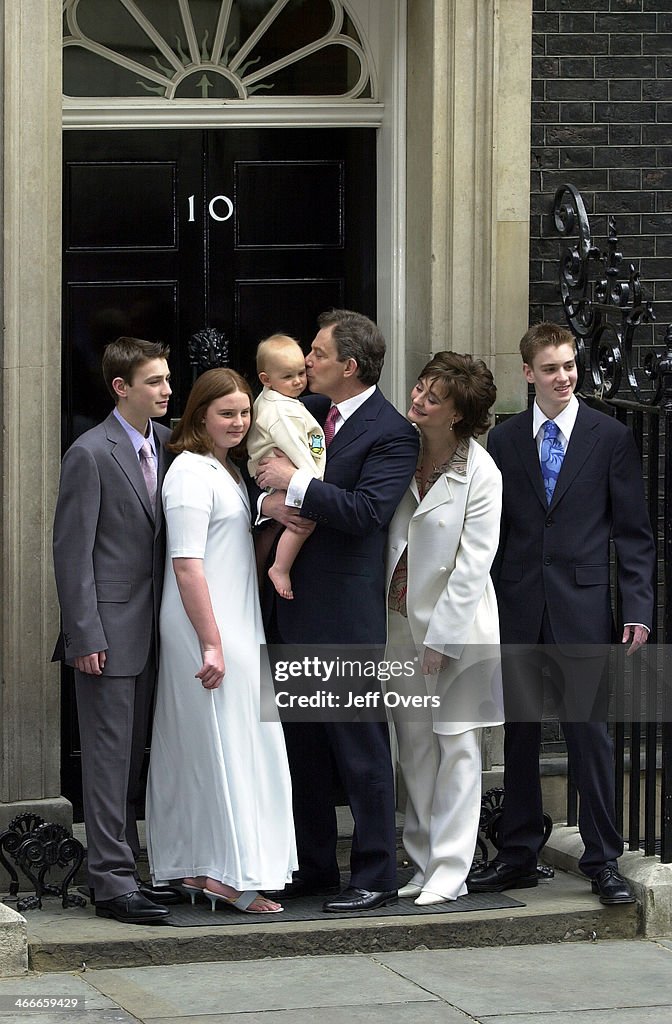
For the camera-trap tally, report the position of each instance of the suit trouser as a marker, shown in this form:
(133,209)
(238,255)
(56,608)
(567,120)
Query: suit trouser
(590,753)
(590,758)
(361,756)
(442,776)
(113,713)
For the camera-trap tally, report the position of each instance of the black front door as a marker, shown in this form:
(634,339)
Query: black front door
(167,232)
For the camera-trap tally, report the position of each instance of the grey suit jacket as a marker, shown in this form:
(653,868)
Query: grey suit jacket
(109,550)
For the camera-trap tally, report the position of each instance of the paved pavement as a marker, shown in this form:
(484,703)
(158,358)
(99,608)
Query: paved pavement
(615,982)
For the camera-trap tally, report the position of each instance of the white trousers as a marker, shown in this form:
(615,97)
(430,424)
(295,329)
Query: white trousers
(442,774)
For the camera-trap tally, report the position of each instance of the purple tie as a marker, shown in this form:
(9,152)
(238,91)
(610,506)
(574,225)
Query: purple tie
(330,425)
(148,467)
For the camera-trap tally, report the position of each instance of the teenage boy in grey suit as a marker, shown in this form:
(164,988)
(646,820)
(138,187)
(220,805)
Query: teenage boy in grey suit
(109,548)
(552,577)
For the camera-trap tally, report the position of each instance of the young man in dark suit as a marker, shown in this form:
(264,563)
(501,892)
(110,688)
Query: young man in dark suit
(339,598)
(572,482)
(109,550)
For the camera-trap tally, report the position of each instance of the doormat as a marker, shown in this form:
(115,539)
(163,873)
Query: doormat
(309,908)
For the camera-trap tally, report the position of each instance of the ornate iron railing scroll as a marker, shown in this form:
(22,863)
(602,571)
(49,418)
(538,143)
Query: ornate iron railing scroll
(604,309)
(39,847)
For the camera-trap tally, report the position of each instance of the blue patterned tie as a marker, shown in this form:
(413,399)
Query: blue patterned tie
(552,454)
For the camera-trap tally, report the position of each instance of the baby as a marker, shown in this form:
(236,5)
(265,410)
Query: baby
(281,421)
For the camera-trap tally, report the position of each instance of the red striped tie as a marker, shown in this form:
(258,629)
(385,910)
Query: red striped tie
(330,425)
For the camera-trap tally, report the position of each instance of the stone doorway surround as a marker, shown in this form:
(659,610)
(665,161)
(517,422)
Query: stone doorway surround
(468,171)
(460,259)
(31,371)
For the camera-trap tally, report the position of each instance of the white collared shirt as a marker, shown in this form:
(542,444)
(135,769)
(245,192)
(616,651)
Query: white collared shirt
(136,438)
(298,485)
(565,421)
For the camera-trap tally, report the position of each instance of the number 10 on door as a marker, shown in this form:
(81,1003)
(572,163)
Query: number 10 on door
(215,209)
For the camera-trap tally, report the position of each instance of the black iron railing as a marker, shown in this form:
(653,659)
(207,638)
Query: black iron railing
(624,370)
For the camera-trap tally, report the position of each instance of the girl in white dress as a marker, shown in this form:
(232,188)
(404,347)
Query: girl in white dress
(219,814)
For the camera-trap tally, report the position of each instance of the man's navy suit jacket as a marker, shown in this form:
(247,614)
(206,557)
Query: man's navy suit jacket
(557,556)
(338,578)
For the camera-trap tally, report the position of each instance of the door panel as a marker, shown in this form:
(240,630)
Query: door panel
(126,269)
(166,232)
(265,306)
(310,215)
(90,312)
(124,218)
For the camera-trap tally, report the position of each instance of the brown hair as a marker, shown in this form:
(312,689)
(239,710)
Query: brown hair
(190,434)
(356,337)
(121,358)
(542,335)
(469,383)
(267,347)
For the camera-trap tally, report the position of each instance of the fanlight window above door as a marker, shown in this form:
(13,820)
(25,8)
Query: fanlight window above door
(213,49)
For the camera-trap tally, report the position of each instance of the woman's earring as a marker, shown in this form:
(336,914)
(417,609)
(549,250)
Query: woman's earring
(451,424)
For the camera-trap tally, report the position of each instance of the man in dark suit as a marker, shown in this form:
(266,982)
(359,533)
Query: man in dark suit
(572,481)
(109,550)
(339,598)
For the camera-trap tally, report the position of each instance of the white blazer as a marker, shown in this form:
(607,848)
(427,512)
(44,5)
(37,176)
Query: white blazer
(452,537)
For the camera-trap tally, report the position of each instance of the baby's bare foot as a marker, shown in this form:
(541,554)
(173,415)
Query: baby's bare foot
(281,582)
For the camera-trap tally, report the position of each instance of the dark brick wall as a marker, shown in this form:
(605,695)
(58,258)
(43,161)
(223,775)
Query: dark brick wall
(602,120)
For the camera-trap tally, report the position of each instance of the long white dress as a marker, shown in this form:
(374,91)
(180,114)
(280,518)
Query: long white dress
(218,793)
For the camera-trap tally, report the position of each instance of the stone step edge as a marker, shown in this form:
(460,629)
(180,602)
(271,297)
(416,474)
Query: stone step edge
(312,938)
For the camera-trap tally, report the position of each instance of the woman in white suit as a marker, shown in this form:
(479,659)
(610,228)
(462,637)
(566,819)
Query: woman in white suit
(442,542)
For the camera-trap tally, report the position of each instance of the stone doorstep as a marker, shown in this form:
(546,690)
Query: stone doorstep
(558,921)
(56,940)
(651,880)
(562,910)
(558,911)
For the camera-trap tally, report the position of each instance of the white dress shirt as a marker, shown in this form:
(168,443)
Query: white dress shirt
(298,485)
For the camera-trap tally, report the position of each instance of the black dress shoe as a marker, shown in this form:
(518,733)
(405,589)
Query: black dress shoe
(352,900)
(131,908)
(300,887)
(496,877)
(611,887)
(164,895)
(161,894)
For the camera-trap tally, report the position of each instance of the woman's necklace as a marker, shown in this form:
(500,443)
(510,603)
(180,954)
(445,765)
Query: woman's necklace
(436,463)
(441,460)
